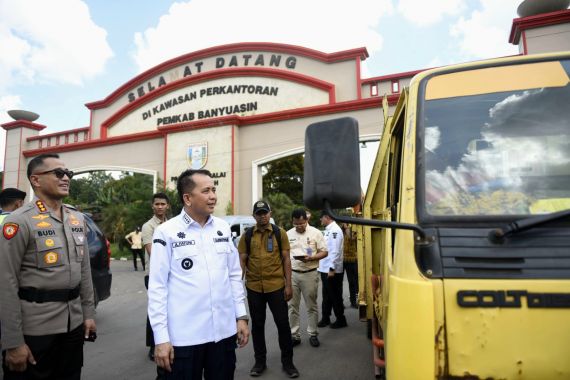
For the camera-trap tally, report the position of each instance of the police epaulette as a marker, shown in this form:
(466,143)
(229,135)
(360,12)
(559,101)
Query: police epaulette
(41,207)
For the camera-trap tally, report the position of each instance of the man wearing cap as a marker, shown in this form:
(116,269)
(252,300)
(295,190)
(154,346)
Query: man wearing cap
(46,291)
(264,254)
(11,199)
(332,274)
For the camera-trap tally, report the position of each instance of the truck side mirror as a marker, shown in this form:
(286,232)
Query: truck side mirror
(332,164)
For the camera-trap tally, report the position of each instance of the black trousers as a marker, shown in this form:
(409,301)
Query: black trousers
(149,333)
(257,307)
(332,296)
(351,270)
(58,357)
(214,361)
(140,253)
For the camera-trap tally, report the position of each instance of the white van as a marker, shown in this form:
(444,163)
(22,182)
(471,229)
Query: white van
(239,223)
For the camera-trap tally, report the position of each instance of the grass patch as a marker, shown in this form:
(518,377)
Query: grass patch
(117,252)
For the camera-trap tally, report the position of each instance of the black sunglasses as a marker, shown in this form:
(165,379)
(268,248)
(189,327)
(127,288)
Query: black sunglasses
(59,173)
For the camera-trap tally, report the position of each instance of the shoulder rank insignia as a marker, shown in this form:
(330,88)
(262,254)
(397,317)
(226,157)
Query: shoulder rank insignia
(73,220)
(41,206)
(10,230)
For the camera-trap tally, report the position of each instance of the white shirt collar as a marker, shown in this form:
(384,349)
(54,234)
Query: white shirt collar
(188,219)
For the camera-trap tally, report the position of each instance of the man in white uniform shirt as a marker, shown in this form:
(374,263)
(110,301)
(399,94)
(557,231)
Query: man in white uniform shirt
(332,274)
(196,298)
(307,248)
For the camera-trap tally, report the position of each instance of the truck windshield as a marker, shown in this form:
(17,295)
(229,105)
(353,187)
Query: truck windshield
(496,140)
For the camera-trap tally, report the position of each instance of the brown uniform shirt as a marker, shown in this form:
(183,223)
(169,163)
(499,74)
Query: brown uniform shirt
(38,250)
(264,269)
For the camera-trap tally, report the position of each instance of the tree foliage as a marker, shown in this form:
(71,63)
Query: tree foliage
(285,176)
(117,205)
(283,187)
(281,208)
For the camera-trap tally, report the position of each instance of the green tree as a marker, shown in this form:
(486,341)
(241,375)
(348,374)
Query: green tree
(285,176)
(281,208)
(84,192)
(117,205)
(126,205)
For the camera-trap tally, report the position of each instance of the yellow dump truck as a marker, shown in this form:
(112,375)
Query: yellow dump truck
(464,246)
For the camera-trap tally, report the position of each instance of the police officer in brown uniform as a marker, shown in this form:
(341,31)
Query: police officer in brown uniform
(45,281)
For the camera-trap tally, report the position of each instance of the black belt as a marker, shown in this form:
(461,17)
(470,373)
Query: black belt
(52,295)
(304,271)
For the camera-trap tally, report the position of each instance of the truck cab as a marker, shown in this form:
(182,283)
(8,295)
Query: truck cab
(464,246)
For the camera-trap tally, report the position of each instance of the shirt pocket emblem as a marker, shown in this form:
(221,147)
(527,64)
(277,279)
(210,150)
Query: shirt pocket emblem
(49,252)
(50,258)
(187,263)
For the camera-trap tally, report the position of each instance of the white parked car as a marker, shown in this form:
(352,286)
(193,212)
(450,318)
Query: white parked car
(239,223)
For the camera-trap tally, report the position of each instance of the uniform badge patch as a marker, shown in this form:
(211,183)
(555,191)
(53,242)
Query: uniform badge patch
(159,241)
(181,235)
(220,233)
(40,216)
(43,224)
(50,258)
(187,264)
(50,243)
(10,230)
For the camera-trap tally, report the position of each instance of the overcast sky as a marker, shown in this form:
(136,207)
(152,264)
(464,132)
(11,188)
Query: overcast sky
(57,55)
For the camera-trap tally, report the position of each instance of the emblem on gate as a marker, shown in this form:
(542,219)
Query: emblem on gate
(197,155)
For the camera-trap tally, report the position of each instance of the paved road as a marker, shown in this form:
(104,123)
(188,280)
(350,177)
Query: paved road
(120,352)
